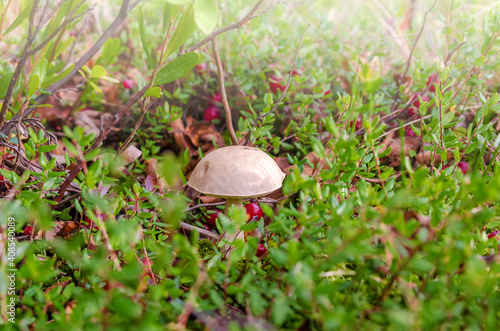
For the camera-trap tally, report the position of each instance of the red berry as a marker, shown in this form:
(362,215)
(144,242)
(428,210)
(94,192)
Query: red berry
(202,67)
(212,218)
(128,83)
(494,234)
(254,211)
(431,81)
(446,166)
(328,92)
(216,97)
(412,111)
(206,227)
(358,126)
(211,113)
(261,250)
(416,100)
(146,261)
(27,230)
(275,85)
(409,132)
(463,166)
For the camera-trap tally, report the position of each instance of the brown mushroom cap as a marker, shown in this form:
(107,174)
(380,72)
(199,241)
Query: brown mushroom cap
(236,172)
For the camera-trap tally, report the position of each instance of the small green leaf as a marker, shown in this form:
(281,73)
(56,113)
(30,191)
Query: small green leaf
(4,83)
(52,80)
(24,15)
(98,72)
(478,62)
(182,32)
(153,92)
(167,16)
(205,15)
(144,40)
(33,85)
(177,68)
(47,148)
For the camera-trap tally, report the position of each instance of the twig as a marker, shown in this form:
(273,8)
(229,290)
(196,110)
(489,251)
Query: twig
(290,74)
(236,25)
(20,65)
(102,135)
(205,233)
(124,10)
(220,71)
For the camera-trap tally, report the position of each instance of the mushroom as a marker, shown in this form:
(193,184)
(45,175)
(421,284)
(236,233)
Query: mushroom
(236,173)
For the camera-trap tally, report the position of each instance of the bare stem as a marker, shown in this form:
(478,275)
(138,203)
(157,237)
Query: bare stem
(220,71)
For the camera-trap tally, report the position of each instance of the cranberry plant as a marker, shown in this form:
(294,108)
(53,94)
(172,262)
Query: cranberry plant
(389,213)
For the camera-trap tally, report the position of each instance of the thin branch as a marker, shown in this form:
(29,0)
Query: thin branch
(102,135)
(123,13)
(251,15)
(220,71)
(63,25)
(290,74)
(20,65)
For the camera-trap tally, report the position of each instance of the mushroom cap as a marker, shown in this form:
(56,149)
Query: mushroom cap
(236,172)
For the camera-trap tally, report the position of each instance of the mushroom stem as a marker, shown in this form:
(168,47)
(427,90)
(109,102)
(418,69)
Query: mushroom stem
(238,234)
(229,202)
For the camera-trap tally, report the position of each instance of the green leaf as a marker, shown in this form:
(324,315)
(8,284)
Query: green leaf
(98,72)
(144,40)
(141,82)
(182,33)
(47,148)
(4,84)
(33,85)
(205,15)
(52,80)
(167,16)
(478,62)
(153,92)
(177,68)
(24,15)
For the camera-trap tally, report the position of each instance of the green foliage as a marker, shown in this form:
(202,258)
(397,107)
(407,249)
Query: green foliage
(357,242)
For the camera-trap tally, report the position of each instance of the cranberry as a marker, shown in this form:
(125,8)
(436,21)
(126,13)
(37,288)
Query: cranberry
(128,83)
(328,92)
(295,72)
(28,230)
(254,211)
(416,100)
(358,126)
(430,82)
(409,132)
(211,113)
(216,97)
(146,261)
(463,166)
(202,67)
(206,227)
(412,111)
(261,250)
(212,218)
(275,84)
(494,234)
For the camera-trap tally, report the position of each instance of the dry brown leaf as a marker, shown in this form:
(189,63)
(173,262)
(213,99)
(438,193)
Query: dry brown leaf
(393,159)
(178,131)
